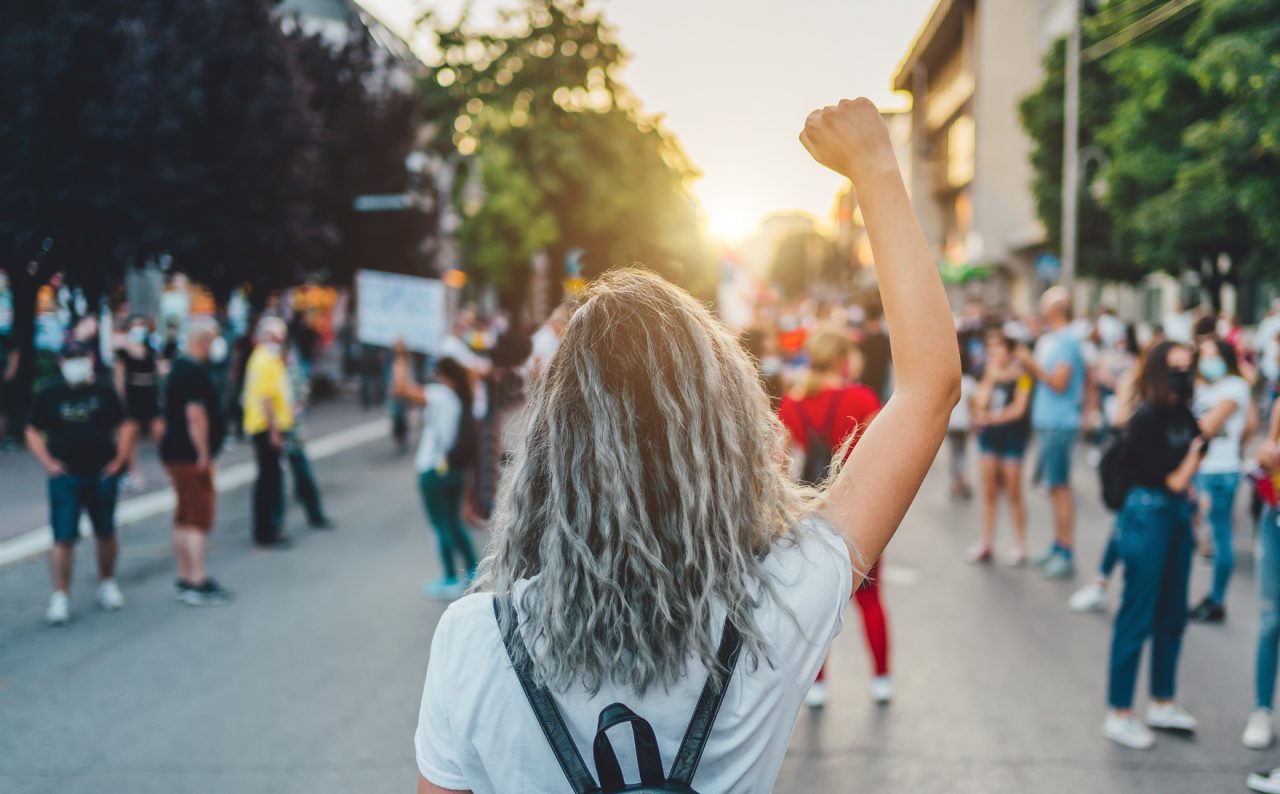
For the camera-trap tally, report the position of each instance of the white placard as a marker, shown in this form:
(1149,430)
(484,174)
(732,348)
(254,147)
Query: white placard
(390,306)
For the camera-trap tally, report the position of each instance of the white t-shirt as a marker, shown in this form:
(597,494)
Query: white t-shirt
(1223,456)
(439,426)
(458,350)
(1268,347)
(961,416)
(477,732)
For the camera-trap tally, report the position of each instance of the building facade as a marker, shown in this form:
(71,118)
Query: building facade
(969,66)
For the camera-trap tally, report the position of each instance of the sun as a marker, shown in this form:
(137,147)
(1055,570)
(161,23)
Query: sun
(729,222)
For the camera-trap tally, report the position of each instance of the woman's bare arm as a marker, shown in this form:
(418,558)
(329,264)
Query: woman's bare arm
(879,481)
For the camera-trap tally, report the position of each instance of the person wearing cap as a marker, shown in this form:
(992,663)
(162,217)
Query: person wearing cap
(79,433)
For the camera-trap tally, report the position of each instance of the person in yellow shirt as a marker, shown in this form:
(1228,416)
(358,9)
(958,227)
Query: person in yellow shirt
(268,414)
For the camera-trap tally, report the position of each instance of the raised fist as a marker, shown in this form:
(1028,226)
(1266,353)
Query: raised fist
(849,138)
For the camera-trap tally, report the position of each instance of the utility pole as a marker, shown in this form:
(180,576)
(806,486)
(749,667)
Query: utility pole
(1071,153)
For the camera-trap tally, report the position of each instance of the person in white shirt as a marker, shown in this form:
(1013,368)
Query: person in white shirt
(442,470)
(648,544)
(1221,406)
(546,340)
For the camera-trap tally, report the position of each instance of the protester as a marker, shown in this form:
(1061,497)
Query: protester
(445,453)
(1057,407)
(1163,450)
(305,487)
(877,358)
(959,428)
(825,417)
(137,378)
(1259,732)
(547,339)
(194,428)
(1221,404)
(1000,413)
(1119,410)
(646,508)
(268,415)
(79,434)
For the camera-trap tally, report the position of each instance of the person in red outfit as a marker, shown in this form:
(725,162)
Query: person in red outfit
(827,411)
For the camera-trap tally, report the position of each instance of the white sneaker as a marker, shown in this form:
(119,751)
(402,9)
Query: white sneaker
(59,609)
(1259,732)
(817,696)
(134,482)
(109,596)
(1170,717)
(881,689)
(1090,598)
(1266,782)
(1128,732)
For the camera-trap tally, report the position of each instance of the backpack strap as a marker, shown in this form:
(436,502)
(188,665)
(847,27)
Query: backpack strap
(829,422)
(544,708)
(647,756)
(704,715)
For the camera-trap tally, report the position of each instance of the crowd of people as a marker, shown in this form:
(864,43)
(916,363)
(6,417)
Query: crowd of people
(185,387)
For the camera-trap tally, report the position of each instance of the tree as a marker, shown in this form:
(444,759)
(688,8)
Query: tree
(1186,115)
(565,157)
(370,125)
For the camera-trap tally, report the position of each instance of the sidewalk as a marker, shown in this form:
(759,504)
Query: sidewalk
(23,500)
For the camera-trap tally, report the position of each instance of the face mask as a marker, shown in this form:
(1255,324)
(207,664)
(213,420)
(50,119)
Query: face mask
(1181,384)
(271,347)
(1213,369)
(77,371)
(138,336)
(218,350)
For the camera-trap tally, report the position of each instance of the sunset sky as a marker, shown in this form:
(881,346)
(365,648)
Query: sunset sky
(735,79)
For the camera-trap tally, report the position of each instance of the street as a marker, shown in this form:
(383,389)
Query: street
(310,680)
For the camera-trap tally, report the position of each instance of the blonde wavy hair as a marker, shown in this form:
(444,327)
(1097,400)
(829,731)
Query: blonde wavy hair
(647,484)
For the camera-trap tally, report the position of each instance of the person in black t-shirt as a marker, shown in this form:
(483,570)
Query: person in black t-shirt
(194,428)
(1162,450)
(137,376)
(877,358)
(79,433)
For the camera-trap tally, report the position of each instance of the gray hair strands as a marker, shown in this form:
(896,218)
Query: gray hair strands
(647,485)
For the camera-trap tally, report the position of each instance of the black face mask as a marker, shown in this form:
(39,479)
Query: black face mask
(1182,384)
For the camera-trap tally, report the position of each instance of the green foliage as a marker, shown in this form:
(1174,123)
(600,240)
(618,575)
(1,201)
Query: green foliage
(566,158)
(1188,116)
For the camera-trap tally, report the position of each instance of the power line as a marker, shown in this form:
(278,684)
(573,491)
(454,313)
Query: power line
(1143,26)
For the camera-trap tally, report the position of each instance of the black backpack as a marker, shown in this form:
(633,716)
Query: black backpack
(466,444)
(652,779)
(817,443)
(1115,469)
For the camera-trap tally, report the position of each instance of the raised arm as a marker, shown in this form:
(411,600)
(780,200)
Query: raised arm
(879,481)
(402,386)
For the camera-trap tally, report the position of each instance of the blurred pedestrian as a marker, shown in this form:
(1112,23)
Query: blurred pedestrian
(80,435)
(137,378)
(1222,405)
(876,354)
(959,428)
(194,428)
(1163,448)
(1259,732)
(305,487)
(1000,414)
(648,536)
(546,340)
(825,417)
(268,415)
(446,450)
(1057,408)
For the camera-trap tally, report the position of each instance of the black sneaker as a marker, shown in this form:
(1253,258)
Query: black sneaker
(1208,611)
(322,524)
(279,543)
(207,594)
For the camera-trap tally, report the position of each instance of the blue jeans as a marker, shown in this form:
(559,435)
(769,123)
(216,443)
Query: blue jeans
(69,494)
(1267,560)
(1054,463)
(442,496)
(1221,489)
(1154,537)
(1110,554)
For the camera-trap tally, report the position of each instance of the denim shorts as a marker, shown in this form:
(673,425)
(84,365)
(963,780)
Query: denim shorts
(1054,462)
(71,494)
(1005,443)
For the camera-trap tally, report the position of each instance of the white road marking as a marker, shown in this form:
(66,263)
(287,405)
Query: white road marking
(129,511)
(896,574)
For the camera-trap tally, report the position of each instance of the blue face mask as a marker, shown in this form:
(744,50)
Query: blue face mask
(1213,369)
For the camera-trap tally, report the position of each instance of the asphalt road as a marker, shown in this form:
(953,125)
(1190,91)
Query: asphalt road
(310,681)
